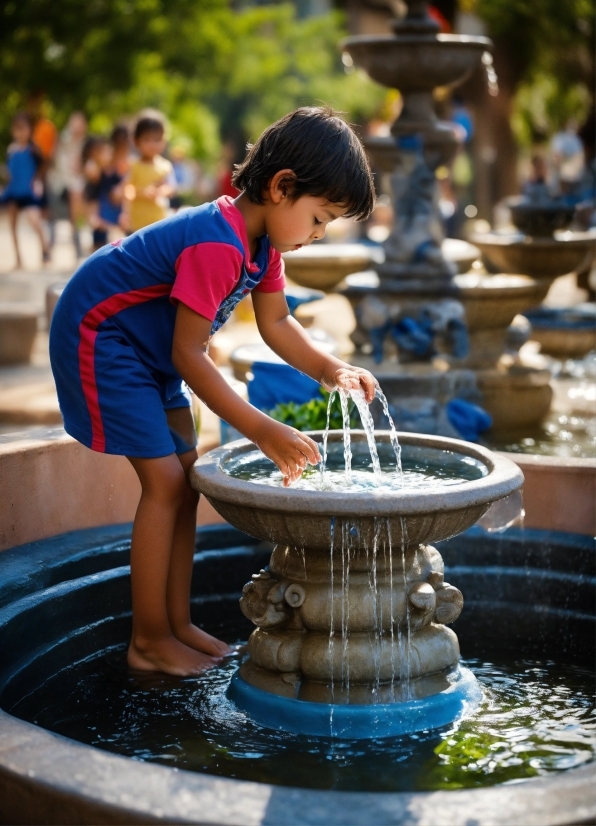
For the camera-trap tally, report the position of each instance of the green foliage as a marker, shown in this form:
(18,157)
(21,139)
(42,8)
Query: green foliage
(313,414)
(212,70)
(548,59)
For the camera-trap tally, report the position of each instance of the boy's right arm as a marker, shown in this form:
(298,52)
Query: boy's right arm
(288,448)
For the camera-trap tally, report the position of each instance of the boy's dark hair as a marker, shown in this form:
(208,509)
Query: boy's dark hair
(148,123)
(325,155)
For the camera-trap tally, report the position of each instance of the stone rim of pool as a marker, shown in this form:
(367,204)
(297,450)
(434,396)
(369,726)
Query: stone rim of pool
(47,778)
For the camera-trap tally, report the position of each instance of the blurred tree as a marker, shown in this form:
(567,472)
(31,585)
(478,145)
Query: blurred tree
(215,72)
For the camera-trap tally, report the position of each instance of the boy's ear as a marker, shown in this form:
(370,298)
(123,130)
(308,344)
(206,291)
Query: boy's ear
(282,185)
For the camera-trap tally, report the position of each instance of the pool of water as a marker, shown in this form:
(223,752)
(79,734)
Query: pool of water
(536,717)
(422,468)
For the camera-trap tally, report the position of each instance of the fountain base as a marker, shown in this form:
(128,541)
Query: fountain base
(459,695)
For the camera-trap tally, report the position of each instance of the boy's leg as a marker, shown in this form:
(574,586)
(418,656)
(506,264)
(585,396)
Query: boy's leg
(153,646)
(13,214)
(180,574)
(182,428)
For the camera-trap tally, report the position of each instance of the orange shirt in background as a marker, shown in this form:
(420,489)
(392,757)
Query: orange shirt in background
(45,136)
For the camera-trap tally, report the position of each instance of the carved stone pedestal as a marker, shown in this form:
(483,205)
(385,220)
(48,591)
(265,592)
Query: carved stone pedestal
(352,624)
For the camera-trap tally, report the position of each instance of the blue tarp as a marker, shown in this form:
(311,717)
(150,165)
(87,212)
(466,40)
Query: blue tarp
(274,384)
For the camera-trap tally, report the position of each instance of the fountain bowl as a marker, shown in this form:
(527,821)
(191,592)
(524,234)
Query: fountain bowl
(444,60)
(304,518)
(323,266)
(541,258)
(540,218)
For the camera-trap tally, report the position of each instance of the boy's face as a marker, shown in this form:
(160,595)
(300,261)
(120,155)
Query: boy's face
(294,224)
(151,144)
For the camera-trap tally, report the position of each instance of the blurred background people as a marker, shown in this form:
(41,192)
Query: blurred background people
(24,192)
(150,181)
(68,179)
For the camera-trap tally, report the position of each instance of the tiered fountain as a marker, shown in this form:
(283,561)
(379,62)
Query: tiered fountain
(542,247)
(352,611)
(463,318)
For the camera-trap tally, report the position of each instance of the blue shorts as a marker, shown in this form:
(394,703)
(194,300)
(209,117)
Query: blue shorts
(111,402)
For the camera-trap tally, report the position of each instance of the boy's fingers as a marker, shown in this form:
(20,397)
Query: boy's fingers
(369,385)
(310,449)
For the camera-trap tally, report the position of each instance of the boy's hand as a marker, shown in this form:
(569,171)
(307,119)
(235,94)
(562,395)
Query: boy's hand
(353,378)
(288,448)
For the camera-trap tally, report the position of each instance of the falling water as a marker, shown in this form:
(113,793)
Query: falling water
(332,619)
(405,669)
(325,438)
(391,614)
(343,397)
(369,428)
(392,432)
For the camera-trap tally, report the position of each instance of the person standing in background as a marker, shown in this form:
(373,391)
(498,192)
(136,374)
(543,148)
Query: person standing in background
(150,181)
(68,176)
(25,187)
(110,188)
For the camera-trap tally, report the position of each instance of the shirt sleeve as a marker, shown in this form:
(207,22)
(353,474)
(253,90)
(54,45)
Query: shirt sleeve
(205,274)
(274,279)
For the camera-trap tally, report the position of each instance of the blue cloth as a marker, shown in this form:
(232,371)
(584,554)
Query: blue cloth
(295,296)
(22,166)
(274,384)
(468,419)
(414,336)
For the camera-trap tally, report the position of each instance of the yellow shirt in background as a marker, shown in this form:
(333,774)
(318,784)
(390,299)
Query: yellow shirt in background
(144,211)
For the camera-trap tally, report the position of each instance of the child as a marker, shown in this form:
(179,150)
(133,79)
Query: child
(149,183)
(109,187)
(25,188)
(97,155)
(135,321)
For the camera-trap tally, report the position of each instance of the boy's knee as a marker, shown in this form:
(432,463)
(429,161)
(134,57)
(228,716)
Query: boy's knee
(169,487)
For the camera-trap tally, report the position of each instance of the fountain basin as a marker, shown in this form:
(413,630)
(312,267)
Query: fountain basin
(290,516)
(441,60)
(515,397)
(568,333)
(541,258)
(49,778)
(539,218)
(323,266)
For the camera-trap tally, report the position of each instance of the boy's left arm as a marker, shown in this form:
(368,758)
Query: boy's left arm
(287,338)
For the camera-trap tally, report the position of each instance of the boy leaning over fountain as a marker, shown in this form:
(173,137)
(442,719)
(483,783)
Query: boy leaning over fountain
(133,326)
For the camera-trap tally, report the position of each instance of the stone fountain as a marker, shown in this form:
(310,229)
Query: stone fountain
(428,334)
(543,247)
(352,611)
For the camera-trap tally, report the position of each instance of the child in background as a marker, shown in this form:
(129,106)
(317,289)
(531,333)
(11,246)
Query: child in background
(110,188)
(134,323)
(97,155)
(149,183)
(25,187)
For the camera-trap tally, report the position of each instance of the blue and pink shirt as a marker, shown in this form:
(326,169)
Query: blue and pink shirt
(128,292)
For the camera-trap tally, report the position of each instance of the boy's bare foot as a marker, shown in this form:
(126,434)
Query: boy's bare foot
(201,641)
(168,655)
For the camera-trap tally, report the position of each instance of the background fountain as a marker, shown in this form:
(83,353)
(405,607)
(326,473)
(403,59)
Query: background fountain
(352,611)
(413,307)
